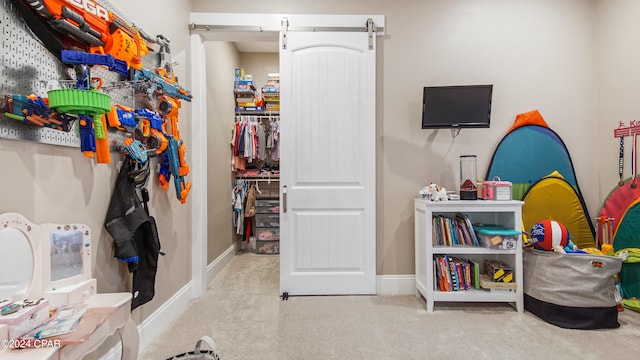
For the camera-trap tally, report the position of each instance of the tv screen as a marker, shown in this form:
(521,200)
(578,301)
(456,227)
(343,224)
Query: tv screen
(466,106)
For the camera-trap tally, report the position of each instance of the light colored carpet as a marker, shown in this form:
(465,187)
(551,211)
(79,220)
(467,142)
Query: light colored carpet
(244,315)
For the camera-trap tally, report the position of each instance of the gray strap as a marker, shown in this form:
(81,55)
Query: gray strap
(209,342)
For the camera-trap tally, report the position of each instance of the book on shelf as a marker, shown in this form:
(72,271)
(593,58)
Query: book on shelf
(453,231)
(475,273)
(456,274)
(473,238)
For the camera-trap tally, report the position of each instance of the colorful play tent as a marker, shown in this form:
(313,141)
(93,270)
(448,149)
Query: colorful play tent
(552,197)
(536,161)
(622,207)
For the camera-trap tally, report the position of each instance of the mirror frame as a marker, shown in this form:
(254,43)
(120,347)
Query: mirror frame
(33,233)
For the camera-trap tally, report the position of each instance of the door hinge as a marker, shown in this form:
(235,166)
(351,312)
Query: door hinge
(285,27)
(370,31)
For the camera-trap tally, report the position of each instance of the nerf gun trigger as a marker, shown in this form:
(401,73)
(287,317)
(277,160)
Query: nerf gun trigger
(160,141)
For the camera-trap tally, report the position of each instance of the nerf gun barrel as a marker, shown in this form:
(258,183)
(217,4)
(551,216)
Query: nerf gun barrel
(162,84)
(178,168)
(75,57)
(95,27)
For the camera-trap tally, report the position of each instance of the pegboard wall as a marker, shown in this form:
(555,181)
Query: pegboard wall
(28,67)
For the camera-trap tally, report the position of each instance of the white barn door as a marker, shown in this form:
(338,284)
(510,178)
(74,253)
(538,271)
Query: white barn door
(327,179)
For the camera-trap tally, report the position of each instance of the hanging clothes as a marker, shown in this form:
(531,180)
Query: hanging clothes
(275,151)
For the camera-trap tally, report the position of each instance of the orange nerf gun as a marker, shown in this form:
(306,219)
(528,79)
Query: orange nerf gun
(97,29)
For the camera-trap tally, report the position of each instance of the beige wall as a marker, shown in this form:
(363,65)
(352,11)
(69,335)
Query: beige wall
(618,79)
(259,65)
(538,55)
(57,184)
(222,59)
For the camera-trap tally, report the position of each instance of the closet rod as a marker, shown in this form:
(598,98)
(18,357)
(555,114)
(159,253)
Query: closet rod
(249,179)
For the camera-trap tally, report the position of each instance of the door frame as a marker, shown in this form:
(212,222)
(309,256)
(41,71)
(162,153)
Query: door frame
(233,27)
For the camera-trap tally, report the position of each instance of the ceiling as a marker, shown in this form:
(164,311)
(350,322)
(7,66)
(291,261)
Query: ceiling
(257,46)
(246,41)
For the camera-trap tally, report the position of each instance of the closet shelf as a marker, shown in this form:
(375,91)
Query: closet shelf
(259,177)
(258,113)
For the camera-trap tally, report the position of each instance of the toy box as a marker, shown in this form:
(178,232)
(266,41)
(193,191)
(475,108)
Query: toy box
(498,271)
(26,318)
(573,291)
(496,189)
(496,237)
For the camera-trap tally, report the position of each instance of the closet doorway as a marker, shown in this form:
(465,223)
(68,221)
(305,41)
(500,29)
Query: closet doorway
(327,172)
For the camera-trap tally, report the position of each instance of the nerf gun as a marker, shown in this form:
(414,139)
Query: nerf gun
(122,117)
(153,126)
(169,107)
(88,104)
(35,110)
(74,57)
(162,84)
(92,26)
(174,163)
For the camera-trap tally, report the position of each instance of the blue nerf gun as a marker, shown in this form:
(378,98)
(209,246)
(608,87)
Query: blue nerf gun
(153,126)
(178,167)
(162,84)
(74,57)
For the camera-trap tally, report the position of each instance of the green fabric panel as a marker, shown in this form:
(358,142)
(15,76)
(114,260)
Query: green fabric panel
(518,190)
(628,234)
(630,280)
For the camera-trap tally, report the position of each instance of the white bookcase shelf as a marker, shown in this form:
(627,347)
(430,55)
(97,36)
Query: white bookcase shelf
(505,213)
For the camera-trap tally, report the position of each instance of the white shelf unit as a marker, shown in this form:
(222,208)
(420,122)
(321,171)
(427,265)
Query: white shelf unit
(505,213)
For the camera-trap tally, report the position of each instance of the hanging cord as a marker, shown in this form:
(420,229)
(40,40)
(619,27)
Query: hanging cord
(621,162)
(633,161)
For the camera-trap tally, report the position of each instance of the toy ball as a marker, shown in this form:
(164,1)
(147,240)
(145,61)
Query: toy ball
(548,234)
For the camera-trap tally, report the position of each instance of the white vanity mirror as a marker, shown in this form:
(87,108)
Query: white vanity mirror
(16,264)
(20,268)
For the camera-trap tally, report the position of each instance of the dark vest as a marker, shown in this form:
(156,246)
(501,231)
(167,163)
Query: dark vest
(134,232)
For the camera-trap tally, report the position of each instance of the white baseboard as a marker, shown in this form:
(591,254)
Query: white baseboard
(221,261)
(396,284)
(157,322)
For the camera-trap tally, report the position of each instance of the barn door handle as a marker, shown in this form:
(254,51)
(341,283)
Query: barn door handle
(284,198)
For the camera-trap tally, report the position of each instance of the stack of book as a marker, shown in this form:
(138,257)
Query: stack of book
(245,94)
(271,92)
(456,274)
(453,231)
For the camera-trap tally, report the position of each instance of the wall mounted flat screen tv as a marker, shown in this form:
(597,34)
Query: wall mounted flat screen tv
(460,106)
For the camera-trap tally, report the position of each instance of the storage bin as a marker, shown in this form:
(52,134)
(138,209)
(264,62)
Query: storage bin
(496,237)
(268,209)
(574,291)
(267,247)
(267,234)
(504,242)
(267,202)
(267,220)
